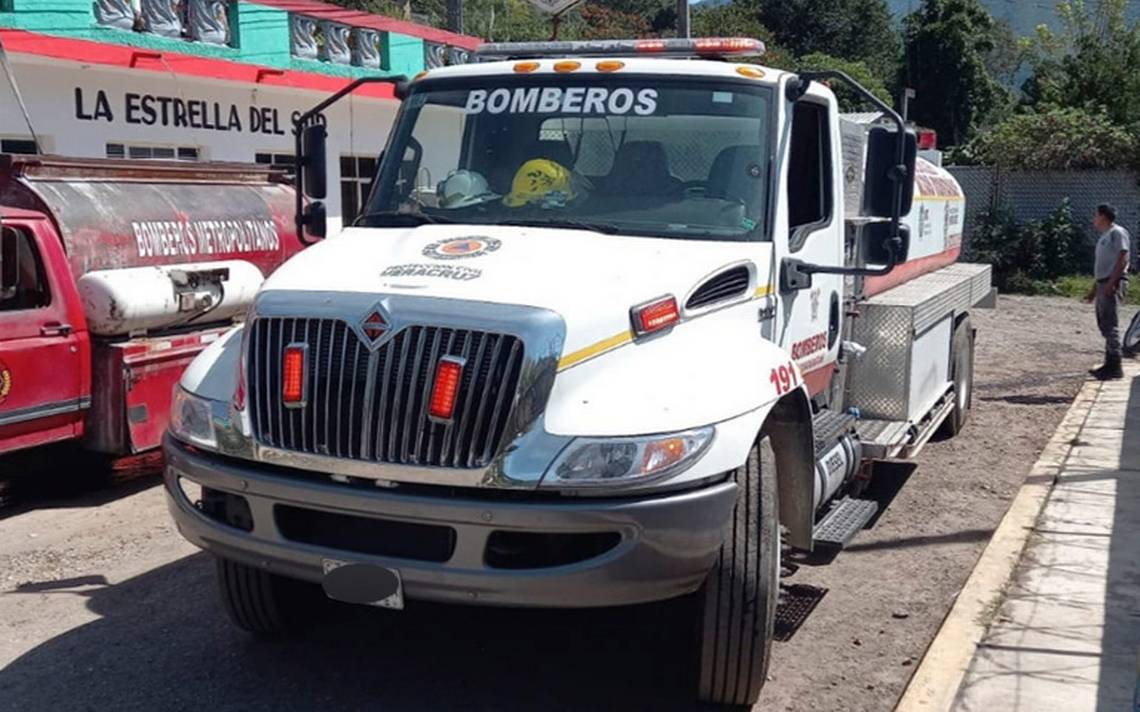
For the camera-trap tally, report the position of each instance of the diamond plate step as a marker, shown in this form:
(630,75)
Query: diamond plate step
(827,427)
(846,518)
(883,439)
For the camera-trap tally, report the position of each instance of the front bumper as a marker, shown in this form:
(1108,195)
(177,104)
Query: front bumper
(665,543)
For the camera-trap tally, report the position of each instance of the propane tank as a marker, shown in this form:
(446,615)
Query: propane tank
(118,302)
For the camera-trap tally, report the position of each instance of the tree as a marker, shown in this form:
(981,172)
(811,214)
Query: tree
(947,42)
(737,19)
(861,30)
(859,71)
(1092,64)
(1056,139)
(1009,53)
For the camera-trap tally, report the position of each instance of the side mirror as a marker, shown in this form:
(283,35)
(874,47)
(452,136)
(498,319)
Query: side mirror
(313,161)
(874,244)
(315,219)
(882,178)
(9,262)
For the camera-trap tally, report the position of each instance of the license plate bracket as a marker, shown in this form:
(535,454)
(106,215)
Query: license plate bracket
(363,584)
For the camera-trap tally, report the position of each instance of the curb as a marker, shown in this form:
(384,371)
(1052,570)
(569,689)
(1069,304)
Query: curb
(935,683)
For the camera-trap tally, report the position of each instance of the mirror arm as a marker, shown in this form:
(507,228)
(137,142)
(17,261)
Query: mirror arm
(315,115)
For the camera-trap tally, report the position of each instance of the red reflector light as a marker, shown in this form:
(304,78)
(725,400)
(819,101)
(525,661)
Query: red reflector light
(655,316)
(293,374)
(927,140)
(444,393)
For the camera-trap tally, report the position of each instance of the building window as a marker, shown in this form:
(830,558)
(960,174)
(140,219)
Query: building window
(17,145)
(356,174)
(157,153)
(283,161)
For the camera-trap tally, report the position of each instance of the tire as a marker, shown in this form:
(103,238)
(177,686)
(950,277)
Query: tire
(737,603)
(962,374)
(259,602)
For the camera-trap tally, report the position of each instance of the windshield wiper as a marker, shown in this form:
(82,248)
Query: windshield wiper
(392,218)
(568,223)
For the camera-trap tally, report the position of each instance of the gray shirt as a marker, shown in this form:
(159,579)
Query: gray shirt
(1108,248)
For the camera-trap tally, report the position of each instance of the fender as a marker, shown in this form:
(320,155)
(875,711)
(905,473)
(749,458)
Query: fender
(213,373)
(705,370)
(789,426)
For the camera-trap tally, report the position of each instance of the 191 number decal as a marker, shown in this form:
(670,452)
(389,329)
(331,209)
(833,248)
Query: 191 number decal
(784,379)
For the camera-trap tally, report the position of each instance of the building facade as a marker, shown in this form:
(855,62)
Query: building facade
(207,80)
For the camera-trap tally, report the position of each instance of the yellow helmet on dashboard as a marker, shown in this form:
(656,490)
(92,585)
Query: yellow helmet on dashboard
(538,180)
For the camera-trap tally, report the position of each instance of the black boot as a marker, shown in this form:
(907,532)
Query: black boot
(1110,371)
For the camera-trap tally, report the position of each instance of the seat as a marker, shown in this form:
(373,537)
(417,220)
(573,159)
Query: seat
(641,168)
(731,175)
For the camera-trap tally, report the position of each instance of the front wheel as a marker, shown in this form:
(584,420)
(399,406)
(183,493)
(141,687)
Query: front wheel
(738,599)
(262,603)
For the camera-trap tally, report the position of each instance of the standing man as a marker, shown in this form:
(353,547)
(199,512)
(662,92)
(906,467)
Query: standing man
(1111,273)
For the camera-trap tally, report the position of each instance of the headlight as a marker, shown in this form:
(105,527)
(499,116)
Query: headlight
(191,419)
(592,462)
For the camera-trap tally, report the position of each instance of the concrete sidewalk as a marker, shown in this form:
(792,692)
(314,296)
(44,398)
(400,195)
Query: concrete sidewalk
(1067,634)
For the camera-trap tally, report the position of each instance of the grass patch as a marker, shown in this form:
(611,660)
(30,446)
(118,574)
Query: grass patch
(1074,286)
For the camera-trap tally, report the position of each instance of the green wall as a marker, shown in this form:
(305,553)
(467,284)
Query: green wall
(261,37)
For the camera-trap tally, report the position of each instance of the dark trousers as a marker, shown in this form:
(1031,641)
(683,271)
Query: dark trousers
(1107,317)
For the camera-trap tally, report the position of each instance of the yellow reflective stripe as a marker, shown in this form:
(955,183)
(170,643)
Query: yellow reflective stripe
(594,349)
(622,339)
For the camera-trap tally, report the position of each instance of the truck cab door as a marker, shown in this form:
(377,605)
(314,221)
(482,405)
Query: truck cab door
(42,389)
(811,198)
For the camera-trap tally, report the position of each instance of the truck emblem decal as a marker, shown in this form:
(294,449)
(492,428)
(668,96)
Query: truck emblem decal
(815,293)
(5,381)
(373,327)
(456,272)
(461,247)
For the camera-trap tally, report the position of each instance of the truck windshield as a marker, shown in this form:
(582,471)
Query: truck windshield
(654,156)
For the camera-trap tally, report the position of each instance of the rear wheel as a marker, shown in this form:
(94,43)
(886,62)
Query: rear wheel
(738,599)
(962,374)
(260,602)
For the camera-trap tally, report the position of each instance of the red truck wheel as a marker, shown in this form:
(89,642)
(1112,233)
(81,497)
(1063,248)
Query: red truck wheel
(738,599)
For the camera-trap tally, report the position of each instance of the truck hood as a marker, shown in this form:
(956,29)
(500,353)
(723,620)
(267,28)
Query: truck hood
(590,279)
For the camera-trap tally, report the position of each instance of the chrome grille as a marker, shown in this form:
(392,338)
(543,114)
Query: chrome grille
(373,406)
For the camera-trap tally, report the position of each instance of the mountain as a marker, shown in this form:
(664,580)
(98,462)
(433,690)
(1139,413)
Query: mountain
(1025,17)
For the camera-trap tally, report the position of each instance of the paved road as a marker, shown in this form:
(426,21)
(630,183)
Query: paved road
(103,606)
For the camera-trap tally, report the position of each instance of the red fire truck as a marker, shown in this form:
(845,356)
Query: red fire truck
(114,275)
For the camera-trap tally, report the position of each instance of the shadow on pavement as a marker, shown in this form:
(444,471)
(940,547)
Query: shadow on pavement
(1122,592)
(162,642)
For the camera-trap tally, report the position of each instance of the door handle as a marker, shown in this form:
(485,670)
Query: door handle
(55,328)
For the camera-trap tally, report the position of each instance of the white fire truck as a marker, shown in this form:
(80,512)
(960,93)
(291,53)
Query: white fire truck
(620,319)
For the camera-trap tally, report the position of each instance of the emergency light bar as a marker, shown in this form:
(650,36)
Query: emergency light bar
(671,47)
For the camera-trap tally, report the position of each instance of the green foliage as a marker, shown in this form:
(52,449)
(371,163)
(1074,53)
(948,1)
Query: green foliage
(1092,64)
(1056,139)
(1024,253)
(859,71)
(859,30)
(1074,286)
(947,44)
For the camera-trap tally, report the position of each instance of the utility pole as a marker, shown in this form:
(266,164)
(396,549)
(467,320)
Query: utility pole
(683,18)
(455,15)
